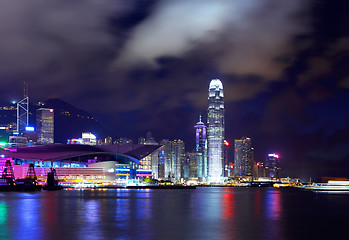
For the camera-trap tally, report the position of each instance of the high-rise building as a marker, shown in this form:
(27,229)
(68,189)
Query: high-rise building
(201,148)
(272,166)
(177,158)
(215,136)
(45,125)
(88,138)
(173,155)
(167,156)
(243,157)
(193,164)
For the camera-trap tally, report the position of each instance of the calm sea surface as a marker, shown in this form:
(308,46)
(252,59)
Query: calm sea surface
(203,213)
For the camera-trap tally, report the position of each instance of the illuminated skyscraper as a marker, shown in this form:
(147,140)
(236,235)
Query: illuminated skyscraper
(177,158)
(272,166)
(201,149)
(45,125)
(243,157)
(215,136)
(173,155)
(166,155)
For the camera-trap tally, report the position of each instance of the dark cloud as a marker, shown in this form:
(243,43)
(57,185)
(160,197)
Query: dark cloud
(243,37)
(145,65)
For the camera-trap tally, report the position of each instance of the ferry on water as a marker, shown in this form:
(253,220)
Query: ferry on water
(330,186)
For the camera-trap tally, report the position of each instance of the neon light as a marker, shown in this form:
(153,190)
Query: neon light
(144,170)
(273,155)
(122,174)
(30,129)
(3,144)
(51,110)
(122,169)
(144,175)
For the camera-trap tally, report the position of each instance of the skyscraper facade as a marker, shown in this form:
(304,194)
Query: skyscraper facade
(201,148)
(215,136)
(272,166)
(173,155)
(177,158)
(45,125)
(167,156)
(243,157)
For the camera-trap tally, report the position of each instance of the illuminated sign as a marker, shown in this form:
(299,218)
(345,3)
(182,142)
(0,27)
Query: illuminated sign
(51,110)
(3,144)
(273,155)
(122,169)
(2,128)
(29,129)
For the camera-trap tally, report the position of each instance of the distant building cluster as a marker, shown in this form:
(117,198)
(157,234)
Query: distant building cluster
(212,160)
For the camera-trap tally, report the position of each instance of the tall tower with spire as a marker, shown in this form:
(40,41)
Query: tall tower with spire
(201,148)
(215,138)
(23,110)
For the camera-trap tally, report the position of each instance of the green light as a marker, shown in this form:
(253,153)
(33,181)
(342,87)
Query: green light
(3,144)
(3,213)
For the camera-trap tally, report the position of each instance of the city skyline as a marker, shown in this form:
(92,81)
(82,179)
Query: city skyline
(283,65)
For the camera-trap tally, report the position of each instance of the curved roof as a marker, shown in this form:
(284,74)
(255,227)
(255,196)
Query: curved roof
(54,152)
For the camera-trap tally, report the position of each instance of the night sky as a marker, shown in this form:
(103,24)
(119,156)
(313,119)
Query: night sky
(146,65)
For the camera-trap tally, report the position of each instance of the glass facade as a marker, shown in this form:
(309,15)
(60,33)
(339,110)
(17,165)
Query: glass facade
(173,153)
(272,166)
(215,136)
(201,148)
(243,157)
(178,156)
(45,125)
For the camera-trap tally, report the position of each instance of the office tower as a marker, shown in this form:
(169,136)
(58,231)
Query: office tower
(89,138)
(161,164)
(167,156)
(215,136)
(272,166)
(23,111)
(173,155)
(243,157)
(201,148)
(45,125)
(193,164)
(260,171)
(177,158)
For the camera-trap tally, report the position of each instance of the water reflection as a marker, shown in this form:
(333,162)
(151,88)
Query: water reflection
(204,213)
(3,221)
(273,204)
(28,217)
(228,203)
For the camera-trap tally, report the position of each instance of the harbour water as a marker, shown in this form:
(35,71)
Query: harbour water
(202,213)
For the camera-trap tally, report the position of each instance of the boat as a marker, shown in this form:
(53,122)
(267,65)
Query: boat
(29,183)
(52,181)
(7,182)
(330,186)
